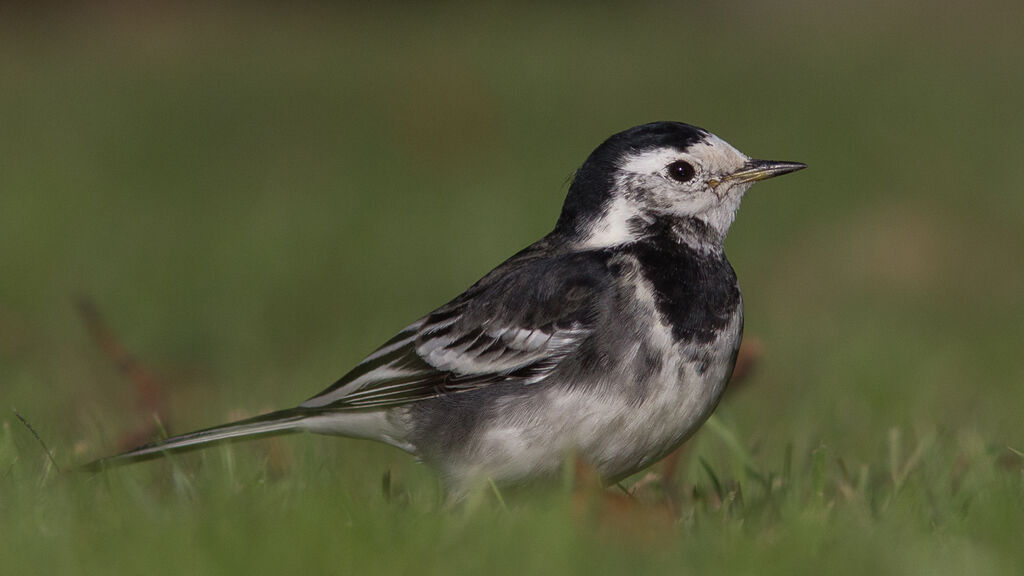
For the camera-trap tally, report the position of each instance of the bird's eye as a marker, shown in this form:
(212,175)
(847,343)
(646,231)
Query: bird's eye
(681,171)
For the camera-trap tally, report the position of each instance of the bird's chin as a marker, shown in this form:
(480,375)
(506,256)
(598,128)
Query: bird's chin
(731,191)
(721,215)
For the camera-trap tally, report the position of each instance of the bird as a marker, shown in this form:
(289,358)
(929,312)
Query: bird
(611,338)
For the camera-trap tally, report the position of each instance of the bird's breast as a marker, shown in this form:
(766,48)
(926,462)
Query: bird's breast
(674,340)
(695,293)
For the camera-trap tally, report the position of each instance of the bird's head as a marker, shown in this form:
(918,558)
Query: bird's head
(663,172)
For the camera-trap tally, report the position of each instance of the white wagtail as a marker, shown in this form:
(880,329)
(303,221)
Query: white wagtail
(611,338)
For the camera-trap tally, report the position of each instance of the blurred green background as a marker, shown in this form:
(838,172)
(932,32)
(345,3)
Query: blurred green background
(256,196)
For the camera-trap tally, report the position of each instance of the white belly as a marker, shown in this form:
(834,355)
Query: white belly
(607,423)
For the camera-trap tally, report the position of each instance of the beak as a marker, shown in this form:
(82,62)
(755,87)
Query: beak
(755,170)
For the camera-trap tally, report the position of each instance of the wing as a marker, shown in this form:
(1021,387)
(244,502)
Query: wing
(517,324)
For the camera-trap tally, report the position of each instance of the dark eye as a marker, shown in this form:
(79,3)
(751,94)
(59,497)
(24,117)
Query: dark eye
(681,171)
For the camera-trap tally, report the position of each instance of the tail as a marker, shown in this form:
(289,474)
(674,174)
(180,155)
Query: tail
(281,422)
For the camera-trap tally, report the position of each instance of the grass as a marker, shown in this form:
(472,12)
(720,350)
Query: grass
(255,197)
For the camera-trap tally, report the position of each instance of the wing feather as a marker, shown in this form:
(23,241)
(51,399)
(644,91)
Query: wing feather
(515,327)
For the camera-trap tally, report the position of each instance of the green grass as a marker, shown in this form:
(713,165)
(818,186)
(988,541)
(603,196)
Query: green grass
(256,197)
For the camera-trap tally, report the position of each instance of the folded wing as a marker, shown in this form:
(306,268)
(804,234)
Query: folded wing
(517,324)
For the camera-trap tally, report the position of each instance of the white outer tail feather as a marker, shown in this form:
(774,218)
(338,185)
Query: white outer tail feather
(268,424)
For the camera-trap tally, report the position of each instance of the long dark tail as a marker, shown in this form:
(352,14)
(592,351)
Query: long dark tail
(281,422)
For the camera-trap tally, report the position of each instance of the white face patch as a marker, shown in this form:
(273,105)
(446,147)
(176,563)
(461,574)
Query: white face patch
(652,161)
(712,158)
(645,190)
(717,156)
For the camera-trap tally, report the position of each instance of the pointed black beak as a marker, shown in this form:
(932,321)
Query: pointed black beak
(755,170)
